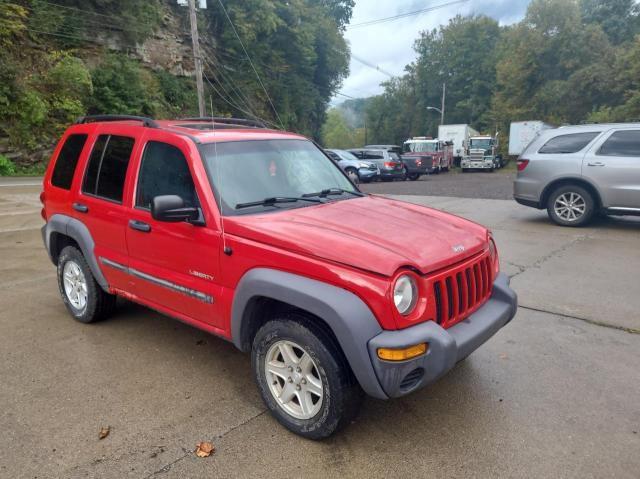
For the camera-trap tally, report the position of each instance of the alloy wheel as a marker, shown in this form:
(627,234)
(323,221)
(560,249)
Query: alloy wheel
(293,379)
(75,285)
(570,206)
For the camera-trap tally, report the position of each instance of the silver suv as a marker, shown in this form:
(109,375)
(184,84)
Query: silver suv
(577,171)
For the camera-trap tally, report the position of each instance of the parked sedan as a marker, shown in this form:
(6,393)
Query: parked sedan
(389,163)
(357,170)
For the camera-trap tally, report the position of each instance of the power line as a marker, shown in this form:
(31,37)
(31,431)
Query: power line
(239,97)
(251,63)
(404,15)
(370,65)
(81,10)
(75,37)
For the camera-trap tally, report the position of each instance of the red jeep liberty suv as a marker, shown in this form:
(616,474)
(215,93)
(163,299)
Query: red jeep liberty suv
(256,236)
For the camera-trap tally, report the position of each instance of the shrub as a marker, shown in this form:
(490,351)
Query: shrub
(6,166)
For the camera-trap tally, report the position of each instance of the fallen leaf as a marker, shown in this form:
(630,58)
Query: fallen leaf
(204,449)
(503,356)
(104,432)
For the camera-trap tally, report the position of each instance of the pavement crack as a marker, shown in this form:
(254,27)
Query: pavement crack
(586,320)
(188,453)
(552,254)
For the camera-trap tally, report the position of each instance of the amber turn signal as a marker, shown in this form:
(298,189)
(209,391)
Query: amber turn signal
(403,354)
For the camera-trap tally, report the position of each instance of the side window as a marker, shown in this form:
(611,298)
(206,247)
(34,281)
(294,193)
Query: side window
(357,154)
(107,168)
(164,171)
(622,143)
(373,155)
(571,143)
(67,161)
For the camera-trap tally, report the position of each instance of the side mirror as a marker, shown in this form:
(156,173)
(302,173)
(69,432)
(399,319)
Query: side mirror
(171,208)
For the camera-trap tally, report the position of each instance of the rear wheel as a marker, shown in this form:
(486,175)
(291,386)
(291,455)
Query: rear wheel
(303,377)
(82,295)
(570,205)
(413,176)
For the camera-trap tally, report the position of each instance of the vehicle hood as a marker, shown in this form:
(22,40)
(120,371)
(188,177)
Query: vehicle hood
(371,233)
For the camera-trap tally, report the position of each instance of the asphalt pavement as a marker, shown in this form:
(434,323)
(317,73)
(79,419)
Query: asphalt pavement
(554,394)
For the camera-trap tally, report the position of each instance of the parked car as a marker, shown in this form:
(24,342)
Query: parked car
(390,148)
(389,164)
(577,171)
(256,236)
(356,169)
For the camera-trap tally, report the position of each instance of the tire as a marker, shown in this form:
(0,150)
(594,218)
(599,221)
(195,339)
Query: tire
(83,297)
(465,170)
(352,173)
(580,206)
(338,394)
(414,176)
(365,180)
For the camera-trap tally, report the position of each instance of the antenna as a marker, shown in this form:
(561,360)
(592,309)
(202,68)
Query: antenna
(216,187)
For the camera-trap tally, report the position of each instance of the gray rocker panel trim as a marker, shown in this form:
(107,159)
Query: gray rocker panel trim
(75,229)
(348,316)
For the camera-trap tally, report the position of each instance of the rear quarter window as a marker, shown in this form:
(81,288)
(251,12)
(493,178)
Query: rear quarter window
(571,143)
(65,166)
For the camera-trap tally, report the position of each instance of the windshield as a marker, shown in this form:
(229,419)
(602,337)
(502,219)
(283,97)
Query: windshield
(421,147)
(251,171)
(484,144)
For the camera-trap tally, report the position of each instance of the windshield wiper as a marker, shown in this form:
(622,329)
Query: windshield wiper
(332,191)
(276,199)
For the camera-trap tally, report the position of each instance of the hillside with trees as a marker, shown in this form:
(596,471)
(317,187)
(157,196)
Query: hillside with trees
(61,59)
(567,61)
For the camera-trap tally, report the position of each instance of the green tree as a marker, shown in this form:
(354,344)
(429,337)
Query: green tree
(620,19)
(336,133)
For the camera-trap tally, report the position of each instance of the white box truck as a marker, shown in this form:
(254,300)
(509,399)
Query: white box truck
(522,133)
(459,135)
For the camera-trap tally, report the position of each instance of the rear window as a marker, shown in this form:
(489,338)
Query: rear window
(571,143)
(108,167)
(622,143)
(67,161)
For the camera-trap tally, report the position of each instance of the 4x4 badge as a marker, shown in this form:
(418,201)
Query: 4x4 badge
(458,248)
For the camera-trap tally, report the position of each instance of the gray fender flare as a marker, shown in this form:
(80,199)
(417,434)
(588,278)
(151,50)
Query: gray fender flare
(75,229)
(350,319)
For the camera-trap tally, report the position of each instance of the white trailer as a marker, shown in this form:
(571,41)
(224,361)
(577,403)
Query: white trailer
(522,133)
(459,135)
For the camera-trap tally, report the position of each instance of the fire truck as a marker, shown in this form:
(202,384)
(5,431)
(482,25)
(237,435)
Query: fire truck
(433,150)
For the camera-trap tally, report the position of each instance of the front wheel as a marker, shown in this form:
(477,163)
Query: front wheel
(303,377)
(571,205)
(353,175)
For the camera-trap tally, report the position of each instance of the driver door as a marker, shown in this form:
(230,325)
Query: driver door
(175,265)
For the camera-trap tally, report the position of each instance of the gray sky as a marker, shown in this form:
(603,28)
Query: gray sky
(390,45)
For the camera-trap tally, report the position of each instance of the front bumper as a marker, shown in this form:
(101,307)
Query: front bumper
(367,174)
(446,346)
(479,164)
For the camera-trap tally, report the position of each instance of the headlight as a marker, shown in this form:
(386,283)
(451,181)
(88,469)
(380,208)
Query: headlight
(364,165)
(405,294)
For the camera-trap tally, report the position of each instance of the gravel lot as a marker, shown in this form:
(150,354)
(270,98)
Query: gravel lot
(493,186)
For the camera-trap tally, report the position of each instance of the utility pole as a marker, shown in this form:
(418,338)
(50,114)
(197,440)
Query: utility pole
(196,56)
(444,94)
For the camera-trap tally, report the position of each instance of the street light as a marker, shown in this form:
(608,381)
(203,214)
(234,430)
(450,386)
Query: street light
(439,111)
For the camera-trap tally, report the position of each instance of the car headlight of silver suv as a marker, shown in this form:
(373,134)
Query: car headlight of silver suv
(405,294)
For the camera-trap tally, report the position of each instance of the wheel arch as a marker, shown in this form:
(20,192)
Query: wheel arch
(61,231)
(590,187)
(263,292)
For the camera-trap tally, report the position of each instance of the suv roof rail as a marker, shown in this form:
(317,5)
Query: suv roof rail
(148,122)
(228,121)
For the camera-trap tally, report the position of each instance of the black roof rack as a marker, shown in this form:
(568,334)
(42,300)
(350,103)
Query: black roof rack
(148,122)
(228,121)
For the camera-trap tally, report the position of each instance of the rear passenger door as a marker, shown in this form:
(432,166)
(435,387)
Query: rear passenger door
(175,265)
(100,201)
(613,165)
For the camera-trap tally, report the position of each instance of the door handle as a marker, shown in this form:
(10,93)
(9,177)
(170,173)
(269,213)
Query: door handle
(80,207)
(596,163)
(139,226)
